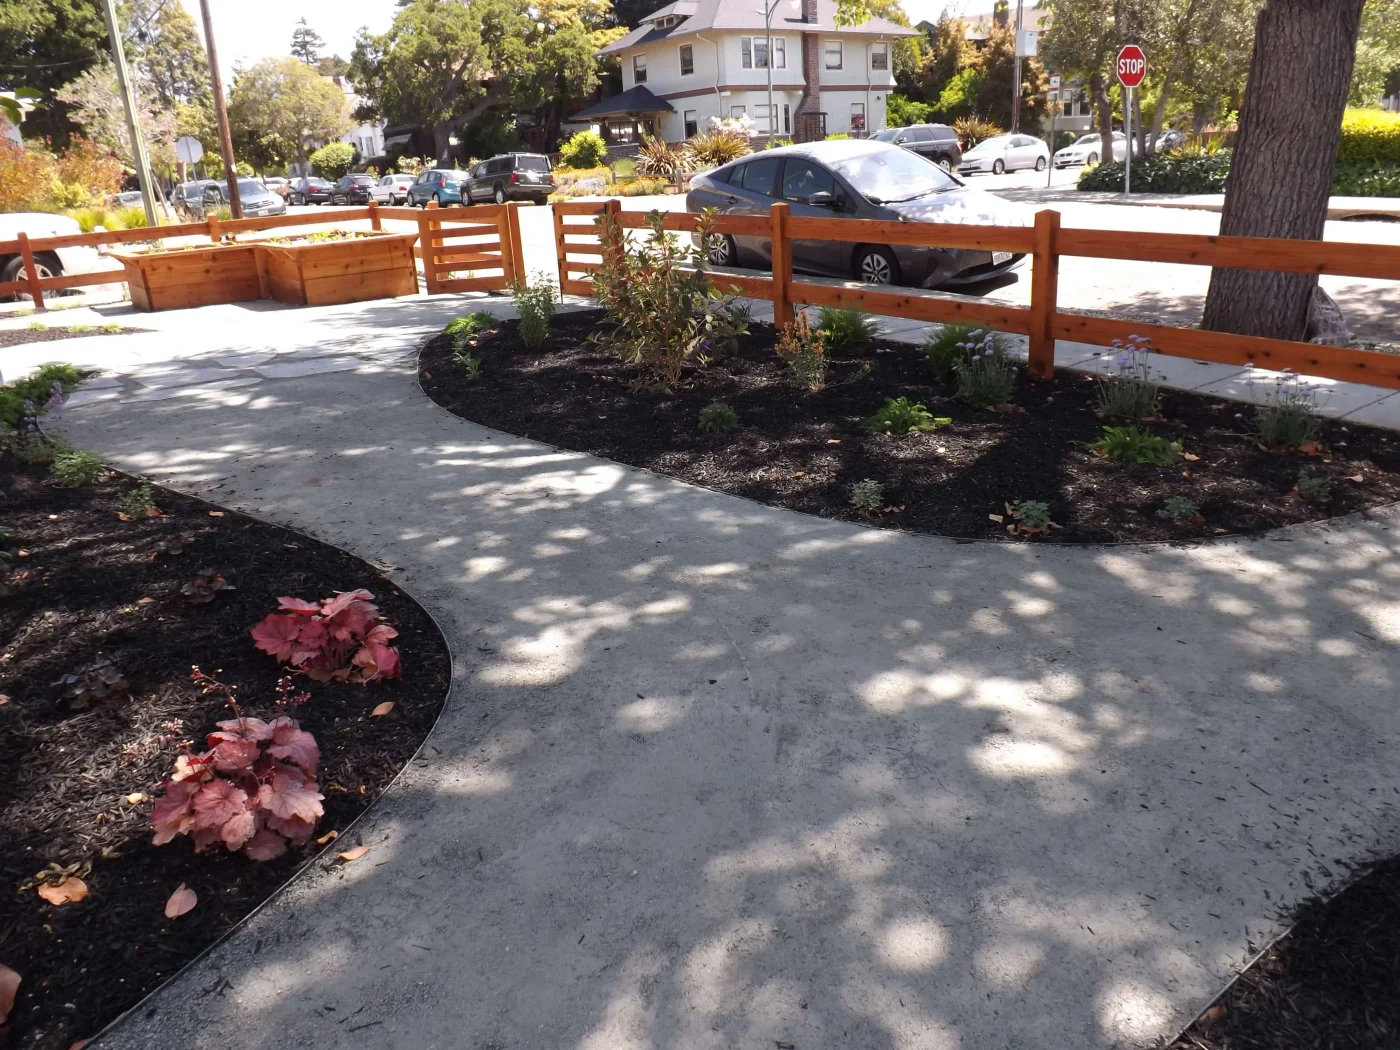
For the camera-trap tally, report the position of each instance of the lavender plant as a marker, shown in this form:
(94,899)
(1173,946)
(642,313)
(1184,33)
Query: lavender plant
(1131,391)
(1286,416)
(986,376)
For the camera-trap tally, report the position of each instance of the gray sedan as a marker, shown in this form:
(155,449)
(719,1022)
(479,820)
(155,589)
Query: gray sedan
(858,180)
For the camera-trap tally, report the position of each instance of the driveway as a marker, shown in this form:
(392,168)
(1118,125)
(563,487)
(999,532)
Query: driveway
(717,775)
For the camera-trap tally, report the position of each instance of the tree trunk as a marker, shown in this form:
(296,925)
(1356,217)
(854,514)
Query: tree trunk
(442,130)
(1139,132)
(1285,158)
(1104,108)
(1159,115)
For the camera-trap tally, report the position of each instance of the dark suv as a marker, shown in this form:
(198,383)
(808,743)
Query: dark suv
(510,177)
(937,142)
(353,189)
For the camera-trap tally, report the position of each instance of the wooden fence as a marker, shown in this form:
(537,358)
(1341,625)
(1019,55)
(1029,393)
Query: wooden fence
(482,241)
(579,254)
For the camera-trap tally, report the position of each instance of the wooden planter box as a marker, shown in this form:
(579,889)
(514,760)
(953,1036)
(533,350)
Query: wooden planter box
(174,280)
(325,272)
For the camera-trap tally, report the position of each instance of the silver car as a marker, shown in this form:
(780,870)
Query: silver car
(1003,153)
(392,189)
(857,179)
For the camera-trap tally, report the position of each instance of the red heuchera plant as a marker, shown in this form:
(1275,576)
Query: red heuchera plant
(254,790)
(335,640)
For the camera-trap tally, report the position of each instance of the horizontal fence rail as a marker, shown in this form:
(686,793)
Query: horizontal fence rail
(576,235)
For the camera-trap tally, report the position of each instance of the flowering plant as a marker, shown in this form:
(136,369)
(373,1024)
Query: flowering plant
(335,640)
(1131,391)
(1286,417)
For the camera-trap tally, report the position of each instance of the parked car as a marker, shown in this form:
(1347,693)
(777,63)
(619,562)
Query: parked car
(443,185)
(188,199)
(53,262)
(276,184)
(1170,139)
(1087,149)
(256,198)
(1003,153)
(129,198)
(392,189)
(352,189)
(856,179)
(309,191)
(511,177)
(937,142)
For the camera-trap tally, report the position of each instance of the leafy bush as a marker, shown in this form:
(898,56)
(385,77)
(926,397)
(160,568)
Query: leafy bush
(469,361)
(566,177)
(1181,509)
(901,416)
(26,177)
(1175,171)
(868,495)
(36,391)
(254,790)
(535,302)
(717,417)
(1138,445)
(1032,515)
(901,112)
(1369,135)
(130,217)
(640,187)
(974,129)
(333,160)
(1131,392)
(948,346)
(91,682)
(75,467)
(136,502)
(335,640)
(86,173)
(1314,487)
(1287,415)
(658,294)
(986,376)
(468,328)
(711,147)
(804,351)
(846,333)
(658,160)
(1371,179)
(585,149)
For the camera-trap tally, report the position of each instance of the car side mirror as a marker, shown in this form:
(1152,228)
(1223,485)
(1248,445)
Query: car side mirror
(822,199)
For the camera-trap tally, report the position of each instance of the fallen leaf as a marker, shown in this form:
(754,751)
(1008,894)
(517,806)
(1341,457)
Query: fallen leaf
(9,987)
(69,889)
(353,854)
(4,699)
(1189,457)
(136,796)
(833,441)
(53,517)
(1358,478)
(144,601)
(800,474)
(1212,1015)
(1309,448)
(996,517)
(180,902)
(216,514)
(329,836)
(80,1044)
(22,553)
(382,709)
(124,516)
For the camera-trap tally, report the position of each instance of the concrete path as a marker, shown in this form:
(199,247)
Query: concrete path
(714,775)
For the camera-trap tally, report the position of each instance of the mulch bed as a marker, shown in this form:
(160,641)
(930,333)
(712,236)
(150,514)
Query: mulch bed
(804,451)
(19,336)
(76,588)
(1331,983)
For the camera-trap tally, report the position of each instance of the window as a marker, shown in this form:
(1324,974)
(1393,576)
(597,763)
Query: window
(757,176)
(787,119)
(692,126)
(880,56)
(857,116)
(737,111)
(832,49)
(779,53)
(687,60)
(639,69)
(763,117)
(917,135)
(754,51)
(804,178)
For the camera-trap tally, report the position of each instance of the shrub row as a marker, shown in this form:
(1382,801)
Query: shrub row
(1369,135)
(1190,172)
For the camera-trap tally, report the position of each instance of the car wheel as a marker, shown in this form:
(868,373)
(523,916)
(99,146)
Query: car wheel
(437,197)
(1039,163)
(1093,159)
(722,251)
(876,266)
(500,197)
(945,162)
(46,264)
(998,167)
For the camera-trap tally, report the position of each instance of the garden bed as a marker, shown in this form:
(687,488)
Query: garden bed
(20,336)
(80,781)
(806,451)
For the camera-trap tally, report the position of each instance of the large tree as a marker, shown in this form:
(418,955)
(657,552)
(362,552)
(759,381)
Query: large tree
(1377,52)
(1082,38)
(306,44)
(1281,174)
(95,103)
(944,52)
(165,51)
(280,106)
(45,44)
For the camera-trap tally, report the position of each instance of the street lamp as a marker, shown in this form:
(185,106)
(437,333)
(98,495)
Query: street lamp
(768,61)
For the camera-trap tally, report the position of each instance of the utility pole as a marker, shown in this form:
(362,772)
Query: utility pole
(235,205)
(768,37)
(133,119)
(1016,76)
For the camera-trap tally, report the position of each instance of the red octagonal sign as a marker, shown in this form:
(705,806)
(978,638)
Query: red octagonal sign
(1132,66)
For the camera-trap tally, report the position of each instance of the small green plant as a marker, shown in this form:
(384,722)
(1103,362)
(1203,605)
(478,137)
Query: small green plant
(1138,445)
(469,361)
(717,417)
(33,446)
(75,467)
(1287,415)
(1180,509)
(902,416)
(846,333)
(110,328)
(1130,392)
(1314,487)
(1031,515)
(946,348)
(24,311)
(37,326)
(468,328)
(535,302)
(79,329)
(868,495)
(137,502)
(986,376)
(804,351)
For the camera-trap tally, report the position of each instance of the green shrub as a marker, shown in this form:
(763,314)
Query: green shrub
(846,333)
(37,326)
(37,389)
(333,160)
(469,361)
(659,160)
(1138,445)
(868,495)
(804,351)
(986,376)
(1180,509)
(1176,171)
(901,416)
(535,302)
(711,147)
(900,112)
(717,417)
(467,329)
(137,502)
(640,187)
(131,217)
(32,445)
(950,343)
(75,467)
(1314,487)
(566,177)
(1287,414)
(1130,392)
(972,130)
(1032,515)
(1371,179)
(1369,135)
(110,328)
(585,149)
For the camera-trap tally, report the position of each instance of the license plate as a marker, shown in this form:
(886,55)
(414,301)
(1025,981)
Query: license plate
(1000,257)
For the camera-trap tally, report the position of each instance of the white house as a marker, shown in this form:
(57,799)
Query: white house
(367,138)
(696,59)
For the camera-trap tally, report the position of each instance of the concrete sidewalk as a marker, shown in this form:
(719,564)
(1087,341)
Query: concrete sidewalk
(718,775)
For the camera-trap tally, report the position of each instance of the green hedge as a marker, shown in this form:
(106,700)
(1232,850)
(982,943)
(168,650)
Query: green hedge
(1369,135)
(1367,180)
(1191,172)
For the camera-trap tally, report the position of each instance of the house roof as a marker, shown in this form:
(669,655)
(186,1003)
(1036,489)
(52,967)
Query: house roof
(637,99)
(703,15)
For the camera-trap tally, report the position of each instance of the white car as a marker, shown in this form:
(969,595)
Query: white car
(1005,153)
(392,189)
(1087,148)
(51,262)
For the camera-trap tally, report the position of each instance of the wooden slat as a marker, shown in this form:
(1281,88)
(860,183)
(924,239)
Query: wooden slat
(399,212)
(494,263)
(1242,253)
(77,280)
(440,237)
(94,240)
(754,287)
(916,307)
(276,222)
(1330,362)
(1018,239)
(579,208)
(475,284)
(480,258)
(684,222)
(575,266)
(492,213)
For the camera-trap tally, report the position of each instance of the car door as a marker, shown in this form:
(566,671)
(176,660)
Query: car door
(752,189)
(417,193)
(920,141)
(474,190)
(813,192)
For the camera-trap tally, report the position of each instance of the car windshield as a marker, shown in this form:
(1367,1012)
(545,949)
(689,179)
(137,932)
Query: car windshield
(894,175)
(998,142)
(533,164)
(251,188)
(885,136)
(364,180)
(1086,140)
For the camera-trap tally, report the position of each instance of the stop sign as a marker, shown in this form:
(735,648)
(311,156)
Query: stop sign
(1132,66)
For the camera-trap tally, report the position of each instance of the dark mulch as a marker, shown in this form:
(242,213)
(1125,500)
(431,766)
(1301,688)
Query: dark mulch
(805,451)
(1332,983)
(18,336)
(76,587)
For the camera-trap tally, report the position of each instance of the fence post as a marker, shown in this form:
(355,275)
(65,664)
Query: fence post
(512,249)
(428,251)
(375,222)
(31,272)
(560,250)
(213,222)
(1045,284)
(782,263)
(612,207)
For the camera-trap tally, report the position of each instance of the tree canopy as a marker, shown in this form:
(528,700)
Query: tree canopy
(280,106)
(44,46)
(306,44)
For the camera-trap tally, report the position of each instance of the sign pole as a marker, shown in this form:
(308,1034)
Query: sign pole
(1128,154)
(140,160)
(1132,69)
